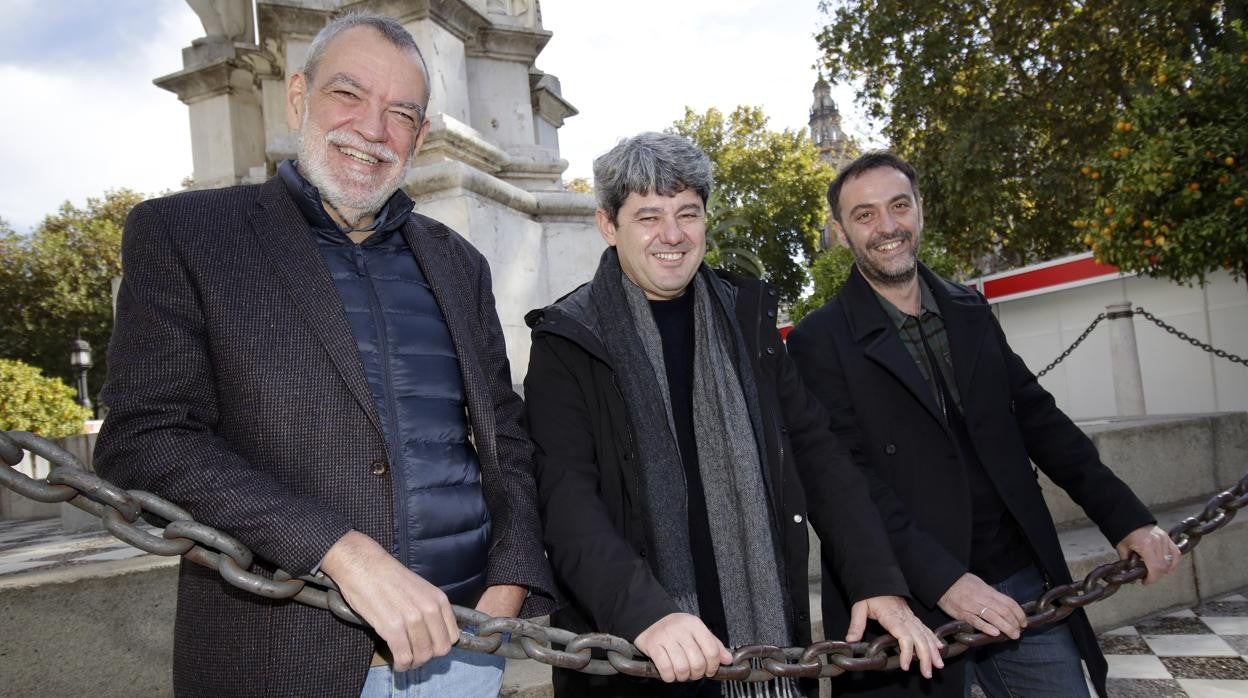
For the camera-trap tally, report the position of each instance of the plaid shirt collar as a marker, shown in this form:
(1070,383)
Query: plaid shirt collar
(927,303)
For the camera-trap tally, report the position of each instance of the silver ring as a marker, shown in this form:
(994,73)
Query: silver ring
(1169,557)
(982,611)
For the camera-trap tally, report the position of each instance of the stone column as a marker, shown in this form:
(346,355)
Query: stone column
(220,84)
(1125,359)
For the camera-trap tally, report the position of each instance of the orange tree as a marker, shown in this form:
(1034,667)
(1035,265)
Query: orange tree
(1170,185)
(998,103)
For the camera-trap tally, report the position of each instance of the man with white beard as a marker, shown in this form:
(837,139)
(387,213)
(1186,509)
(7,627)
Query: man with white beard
(316,370)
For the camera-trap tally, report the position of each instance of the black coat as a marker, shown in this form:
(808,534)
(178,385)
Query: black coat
(851,357)
(589,489)
(235,390)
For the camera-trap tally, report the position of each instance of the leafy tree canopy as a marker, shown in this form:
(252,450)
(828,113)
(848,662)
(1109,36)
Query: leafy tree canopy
(998,103)
(768,205)
(31,402)
(580,185)
(1170,184)
(57,283)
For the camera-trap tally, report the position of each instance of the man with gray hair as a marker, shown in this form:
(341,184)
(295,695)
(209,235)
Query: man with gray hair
(314,369)
(678,454)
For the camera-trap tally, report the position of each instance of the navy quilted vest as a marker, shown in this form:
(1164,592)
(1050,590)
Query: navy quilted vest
(442,524)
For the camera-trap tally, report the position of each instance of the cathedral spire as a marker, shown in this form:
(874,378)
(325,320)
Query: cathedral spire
(835,147)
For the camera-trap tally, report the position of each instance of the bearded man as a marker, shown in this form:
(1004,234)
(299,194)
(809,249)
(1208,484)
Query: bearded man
(316,370)
(948,420)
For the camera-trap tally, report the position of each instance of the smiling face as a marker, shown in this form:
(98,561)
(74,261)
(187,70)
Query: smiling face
(661,240)
(360,120)
(882,225)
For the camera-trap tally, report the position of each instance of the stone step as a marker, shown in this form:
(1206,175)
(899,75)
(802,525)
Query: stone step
(1166,459)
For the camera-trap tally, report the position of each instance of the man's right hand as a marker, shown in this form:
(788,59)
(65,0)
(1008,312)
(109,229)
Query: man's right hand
(682,648)
(413,616)
(972,600)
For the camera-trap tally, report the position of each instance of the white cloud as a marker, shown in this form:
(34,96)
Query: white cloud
(80,130)
(77,129)
(636,67)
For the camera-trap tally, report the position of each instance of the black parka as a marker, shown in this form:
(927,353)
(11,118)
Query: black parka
(589,489)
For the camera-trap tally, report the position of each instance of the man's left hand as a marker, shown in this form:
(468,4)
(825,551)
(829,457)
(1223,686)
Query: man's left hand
(895,616)
(1159,554)
(502,600)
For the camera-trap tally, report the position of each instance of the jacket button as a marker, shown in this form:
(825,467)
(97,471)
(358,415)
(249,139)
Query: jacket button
(642,553)
(771,312)
(890,449)
(801,615)
(771,351)
(771,292)
(797,518)
(378,468)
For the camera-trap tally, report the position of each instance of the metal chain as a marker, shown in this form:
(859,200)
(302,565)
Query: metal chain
(1221,354)
(120,509)
(1073,345)
(1156,321)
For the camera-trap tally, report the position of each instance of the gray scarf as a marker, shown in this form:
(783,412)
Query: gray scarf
(728,433)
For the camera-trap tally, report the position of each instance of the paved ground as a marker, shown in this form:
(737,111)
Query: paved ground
(1200,652)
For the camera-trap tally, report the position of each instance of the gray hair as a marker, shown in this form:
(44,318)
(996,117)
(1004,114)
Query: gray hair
(650,163)
(388,28)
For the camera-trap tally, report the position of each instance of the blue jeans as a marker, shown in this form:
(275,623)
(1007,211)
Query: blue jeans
(460,674)
(1043,662)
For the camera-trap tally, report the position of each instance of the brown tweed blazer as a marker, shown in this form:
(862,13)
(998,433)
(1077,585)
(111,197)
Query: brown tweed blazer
(235,390)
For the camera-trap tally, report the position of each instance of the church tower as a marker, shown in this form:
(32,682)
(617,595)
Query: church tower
(835,147)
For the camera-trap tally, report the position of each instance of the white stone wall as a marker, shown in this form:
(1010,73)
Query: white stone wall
(1178,378)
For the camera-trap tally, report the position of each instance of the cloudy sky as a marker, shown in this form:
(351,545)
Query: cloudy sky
(82,116)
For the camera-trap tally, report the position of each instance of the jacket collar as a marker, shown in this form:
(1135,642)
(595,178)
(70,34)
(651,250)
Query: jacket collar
(307,198)
(281,230)
(967,321)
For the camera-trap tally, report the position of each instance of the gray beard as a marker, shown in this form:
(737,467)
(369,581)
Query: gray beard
(313,167)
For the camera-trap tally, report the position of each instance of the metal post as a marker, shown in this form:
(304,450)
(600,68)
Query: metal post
(80,361)
(1124,356)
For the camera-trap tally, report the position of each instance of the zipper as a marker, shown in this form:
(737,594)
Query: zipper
(399,483)
(777,508)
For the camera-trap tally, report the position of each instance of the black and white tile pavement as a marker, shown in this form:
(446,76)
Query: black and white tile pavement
(1201,652)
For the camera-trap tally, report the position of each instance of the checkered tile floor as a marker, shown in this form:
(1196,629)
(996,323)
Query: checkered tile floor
(1201,652)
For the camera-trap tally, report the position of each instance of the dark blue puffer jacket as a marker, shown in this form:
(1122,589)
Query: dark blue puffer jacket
(442,524)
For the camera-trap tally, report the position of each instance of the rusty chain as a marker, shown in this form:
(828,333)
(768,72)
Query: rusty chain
(1220,353)
(121,509)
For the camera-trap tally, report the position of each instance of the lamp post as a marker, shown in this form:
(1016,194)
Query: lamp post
(80,361)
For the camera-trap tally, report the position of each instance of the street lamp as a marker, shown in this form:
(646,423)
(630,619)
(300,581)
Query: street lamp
(80,361)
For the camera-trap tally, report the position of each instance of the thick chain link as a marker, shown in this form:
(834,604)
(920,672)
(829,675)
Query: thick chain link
(1221,354)
(120,510)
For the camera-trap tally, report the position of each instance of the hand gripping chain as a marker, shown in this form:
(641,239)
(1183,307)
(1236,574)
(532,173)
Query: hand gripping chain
(119,509)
